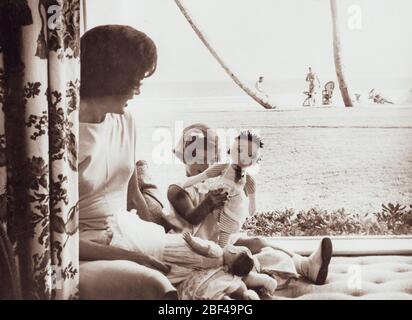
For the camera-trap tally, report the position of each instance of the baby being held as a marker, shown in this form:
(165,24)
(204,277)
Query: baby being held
(233,178)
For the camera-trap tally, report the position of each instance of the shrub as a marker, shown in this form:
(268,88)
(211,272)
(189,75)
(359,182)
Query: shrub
(392,220)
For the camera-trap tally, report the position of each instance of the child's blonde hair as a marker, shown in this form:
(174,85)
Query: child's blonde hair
(206,143)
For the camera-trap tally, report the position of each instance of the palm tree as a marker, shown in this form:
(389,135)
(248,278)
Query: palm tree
(84,13)
(337,56)
(252,93)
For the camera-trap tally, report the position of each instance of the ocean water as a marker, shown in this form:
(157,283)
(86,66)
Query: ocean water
(326,157)
(284,93)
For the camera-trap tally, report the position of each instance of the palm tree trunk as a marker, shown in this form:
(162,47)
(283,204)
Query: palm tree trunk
(337,56)
(84,13)
(253,94)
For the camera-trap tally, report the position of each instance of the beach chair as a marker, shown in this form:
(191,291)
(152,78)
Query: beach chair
(378,98)
(310,99)
(327,93)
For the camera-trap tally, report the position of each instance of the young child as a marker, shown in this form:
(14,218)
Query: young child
(181,251)
(186,253)
(235,280)
(239,185)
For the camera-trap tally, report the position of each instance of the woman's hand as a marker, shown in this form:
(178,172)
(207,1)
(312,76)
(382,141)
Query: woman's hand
(151,262)
(217,198)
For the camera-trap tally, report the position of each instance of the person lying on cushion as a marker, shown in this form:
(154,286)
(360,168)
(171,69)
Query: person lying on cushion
(217,284)
(184,253)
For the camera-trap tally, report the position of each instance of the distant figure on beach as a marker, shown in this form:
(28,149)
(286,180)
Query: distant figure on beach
(357,98)
(311,93)
(259,88)
(378,98)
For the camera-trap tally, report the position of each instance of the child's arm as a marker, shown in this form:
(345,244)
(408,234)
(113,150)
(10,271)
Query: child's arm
(245,294)
(260,280)
(250,295)
(204,248)
(252,204)
(250,190)
(242,293)
(213,171)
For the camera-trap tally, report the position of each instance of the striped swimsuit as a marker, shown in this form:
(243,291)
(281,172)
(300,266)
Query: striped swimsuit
(234,213)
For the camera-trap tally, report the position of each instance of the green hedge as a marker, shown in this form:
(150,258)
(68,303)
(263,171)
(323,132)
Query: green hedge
(391,220)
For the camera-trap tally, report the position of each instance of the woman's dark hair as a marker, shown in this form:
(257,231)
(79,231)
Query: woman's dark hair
(114,59)
(242,265)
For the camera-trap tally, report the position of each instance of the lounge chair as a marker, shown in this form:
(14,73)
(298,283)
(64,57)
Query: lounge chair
(327,93)
(310,99)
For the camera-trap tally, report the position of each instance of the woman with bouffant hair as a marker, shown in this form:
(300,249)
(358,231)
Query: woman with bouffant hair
(114,61)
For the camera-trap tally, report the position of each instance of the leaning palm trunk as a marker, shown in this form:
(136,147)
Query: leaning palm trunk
(253,94)
(337,56)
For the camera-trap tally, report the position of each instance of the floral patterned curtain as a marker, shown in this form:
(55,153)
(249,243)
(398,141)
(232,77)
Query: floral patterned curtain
(39,100)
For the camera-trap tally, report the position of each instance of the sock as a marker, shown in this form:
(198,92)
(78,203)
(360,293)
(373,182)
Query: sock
(299,261)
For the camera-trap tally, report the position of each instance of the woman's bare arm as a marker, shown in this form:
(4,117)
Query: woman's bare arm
(89,250)
(184,207)
(252,204)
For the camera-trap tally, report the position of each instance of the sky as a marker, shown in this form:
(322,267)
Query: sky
(275,38)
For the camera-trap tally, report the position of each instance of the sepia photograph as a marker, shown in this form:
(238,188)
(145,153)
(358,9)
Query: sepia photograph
(205,150)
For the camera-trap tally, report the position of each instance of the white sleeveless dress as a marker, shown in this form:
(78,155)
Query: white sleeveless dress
(107,157)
